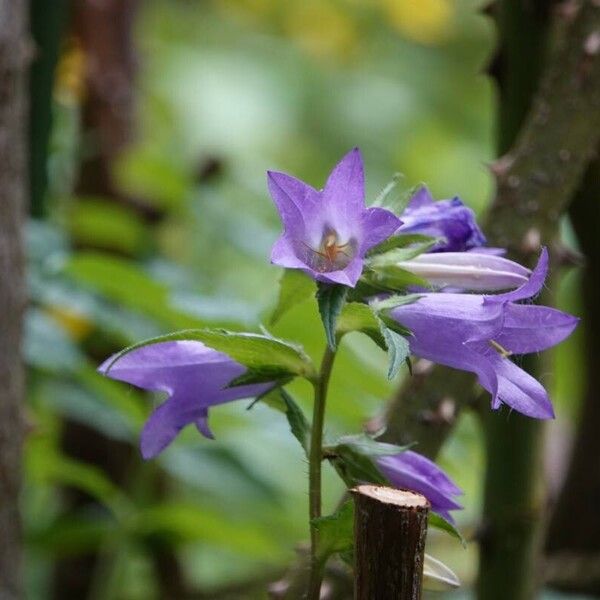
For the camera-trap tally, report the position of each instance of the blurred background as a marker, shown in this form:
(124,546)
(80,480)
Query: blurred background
(152,126)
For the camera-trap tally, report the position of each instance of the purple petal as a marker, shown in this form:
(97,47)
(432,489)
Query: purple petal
(345,187)
(450,220)
(347,276)
(422,198)
(293,199)
(519,390)
(529,289)
(529,328)
(160,430)
(378,224)
(421,475)
(454,318)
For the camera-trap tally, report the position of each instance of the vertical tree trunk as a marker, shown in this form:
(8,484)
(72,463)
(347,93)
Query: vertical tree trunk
(390,528)
(13,63)
(573,544)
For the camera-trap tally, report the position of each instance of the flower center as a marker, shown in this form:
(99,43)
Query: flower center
(332,254)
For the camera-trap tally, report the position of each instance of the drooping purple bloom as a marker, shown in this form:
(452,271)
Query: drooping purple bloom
(479,333)
(449,220)
(195,378)
(327,233)
(411,471)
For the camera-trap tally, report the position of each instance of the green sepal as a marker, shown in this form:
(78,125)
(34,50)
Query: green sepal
(331,299)
(398,350)
(356,316)
(437,522)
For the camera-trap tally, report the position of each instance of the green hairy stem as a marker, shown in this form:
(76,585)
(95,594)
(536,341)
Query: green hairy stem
(314,470)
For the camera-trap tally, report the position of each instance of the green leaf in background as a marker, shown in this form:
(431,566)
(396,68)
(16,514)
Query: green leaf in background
(437,522)
(331,299)
(123,281)
(398,350)
(101,223)
(294,287)
(181,522)
(356,316)
(284,402)
(437,577)
(336,531)
(255,351)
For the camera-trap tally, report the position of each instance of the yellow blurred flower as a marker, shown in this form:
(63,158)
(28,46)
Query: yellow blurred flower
(69,84)
(321,29)
(76,325)
(424,21)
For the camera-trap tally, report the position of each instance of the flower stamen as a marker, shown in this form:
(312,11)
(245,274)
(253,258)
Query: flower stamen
(500,349)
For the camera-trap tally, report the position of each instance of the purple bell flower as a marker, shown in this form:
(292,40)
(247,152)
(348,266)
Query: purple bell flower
(450,220)
(195,378)
(479,333)
(411,471)
(327,233)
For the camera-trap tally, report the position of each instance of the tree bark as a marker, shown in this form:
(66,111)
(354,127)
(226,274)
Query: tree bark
(573,540)
(390,528)
(14,53)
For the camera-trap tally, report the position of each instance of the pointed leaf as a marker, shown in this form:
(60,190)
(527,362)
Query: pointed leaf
(360,317)
(294,287)
(255,351)
(402,241)
(281,400)
(398,350)
(336,531)
(437,577)
(438,522)
(331,299)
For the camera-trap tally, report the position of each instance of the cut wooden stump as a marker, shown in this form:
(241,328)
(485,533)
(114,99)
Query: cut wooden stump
(389,532)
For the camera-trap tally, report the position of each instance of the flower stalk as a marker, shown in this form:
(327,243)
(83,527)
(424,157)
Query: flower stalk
(314,470)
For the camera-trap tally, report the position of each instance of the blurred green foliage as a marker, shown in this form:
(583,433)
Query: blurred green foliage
(226,90)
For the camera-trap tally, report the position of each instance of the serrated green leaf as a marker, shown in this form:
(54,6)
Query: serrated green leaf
(392,278)
(438,522)
(281,400)
(401,241)
(336,531)
(255,351)
(368,446)
(294,287)
(398,350)
(437,577)
(331,299)
(356,316)
(399,254)
(393,301)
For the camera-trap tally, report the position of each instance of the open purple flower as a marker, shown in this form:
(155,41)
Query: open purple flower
(327,233)
(194,377)
(479,333)
(450,220)
(411,471)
